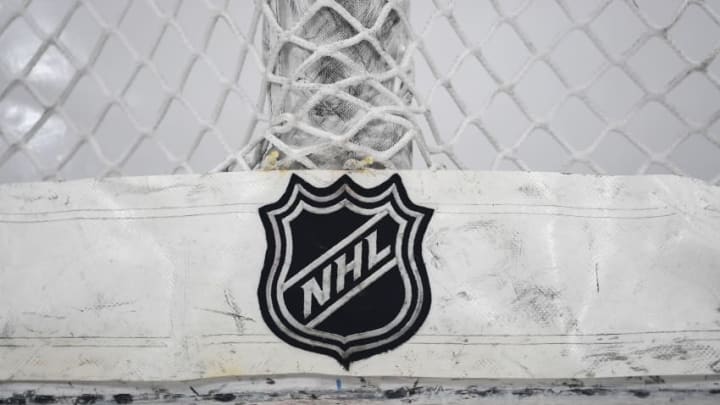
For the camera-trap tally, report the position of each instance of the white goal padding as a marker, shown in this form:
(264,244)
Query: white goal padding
(532,275)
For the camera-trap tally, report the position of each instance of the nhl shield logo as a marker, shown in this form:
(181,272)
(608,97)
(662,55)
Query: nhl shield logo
(344,274)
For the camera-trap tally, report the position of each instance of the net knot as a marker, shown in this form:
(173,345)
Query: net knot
(283,123)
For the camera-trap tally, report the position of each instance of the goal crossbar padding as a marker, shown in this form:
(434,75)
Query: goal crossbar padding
(532,276)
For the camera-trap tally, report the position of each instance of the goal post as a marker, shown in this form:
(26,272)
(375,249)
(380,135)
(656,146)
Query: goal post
(539,276)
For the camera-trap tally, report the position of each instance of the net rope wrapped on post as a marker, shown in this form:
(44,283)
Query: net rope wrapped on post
(147,87)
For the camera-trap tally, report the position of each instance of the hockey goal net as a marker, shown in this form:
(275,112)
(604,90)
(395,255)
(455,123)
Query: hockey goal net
(139,87)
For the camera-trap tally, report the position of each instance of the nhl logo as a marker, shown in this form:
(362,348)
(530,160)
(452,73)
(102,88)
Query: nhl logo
(344,274)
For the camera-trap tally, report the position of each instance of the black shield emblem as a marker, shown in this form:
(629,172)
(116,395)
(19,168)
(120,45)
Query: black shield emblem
(344,274)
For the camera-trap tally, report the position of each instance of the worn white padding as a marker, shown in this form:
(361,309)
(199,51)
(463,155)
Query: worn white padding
(532,275)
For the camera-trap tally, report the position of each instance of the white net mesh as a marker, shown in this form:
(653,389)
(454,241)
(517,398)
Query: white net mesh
(90,88)
(340,85)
